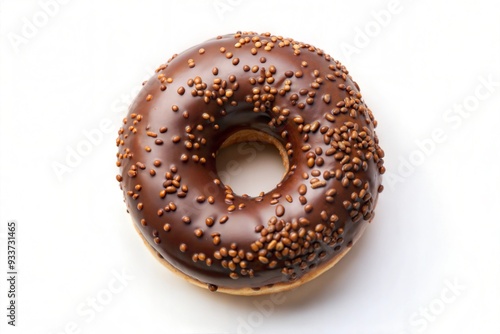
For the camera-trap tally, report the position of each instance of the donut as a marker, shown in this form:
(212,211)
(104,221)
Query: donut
(250,87)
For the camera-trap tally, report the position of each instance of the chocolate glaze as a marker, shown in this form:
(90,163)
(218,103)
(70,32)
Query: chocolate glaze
(298,95)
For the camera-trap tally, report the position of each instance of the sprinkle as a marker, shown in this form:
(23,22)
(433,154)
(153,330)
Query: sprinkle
(280,210)
(209,221)
(263,260)
(302,189)
(318,184)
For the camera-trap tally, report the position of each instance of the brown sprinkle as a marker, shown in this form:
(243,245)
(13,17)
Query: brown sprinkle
(280,210)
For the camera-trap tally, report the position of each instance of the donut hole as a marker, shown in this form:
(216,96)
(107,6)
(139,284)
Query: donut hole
(251,162)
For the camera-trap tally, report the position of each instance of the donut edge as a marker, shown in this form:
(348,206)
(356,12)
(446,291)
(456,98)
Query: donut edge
(276,288)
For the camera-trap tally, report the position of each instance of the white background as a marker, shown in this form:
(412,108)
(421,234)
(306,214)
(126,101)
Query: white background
(437,222)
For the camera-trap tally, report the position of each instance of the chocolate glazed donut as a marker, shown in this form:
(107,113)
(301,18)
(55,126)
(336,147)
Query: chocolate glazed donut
(239,88)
